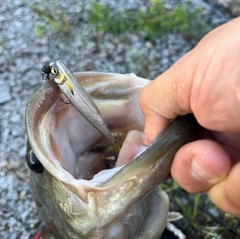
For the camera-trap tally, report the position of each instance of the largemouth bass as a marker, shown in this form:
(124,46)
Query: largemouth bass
(77,189)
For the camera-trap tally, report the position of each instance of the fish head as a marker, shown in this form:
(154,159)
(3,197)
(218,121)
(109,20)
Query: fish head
(82,188)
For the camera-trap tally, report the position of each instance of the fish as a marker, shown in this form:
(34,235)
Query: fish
(86,186)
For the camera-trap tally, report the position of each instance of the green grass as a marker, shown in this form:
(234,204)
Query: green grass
(52,18)
(153,22)
(199,219)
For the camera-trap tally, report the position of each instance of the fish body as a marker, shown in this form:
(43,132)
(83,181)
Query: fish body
(76,191)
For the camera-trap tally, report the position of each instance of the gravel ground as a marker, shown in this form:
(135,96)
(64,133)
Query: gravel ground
(22,53)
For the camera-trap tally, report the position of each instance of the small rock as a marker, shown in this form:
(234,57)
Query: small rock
(5,134)
(12,221)
(165,61)
(25,235)
(9,182)
(24,215)
(14,235)
(15,118)
(16,132)
(4,92)
(33,222)
(12,194)
(165,52)
(214,212)
(148,45)
(22,152)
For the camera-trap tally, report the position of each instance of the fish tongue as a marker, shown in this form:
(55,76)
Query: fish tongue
(132,147)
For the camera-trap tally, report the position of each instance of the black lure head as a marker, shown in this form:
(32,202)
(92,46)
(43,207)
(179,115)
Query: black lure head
(49,71)
(46,71)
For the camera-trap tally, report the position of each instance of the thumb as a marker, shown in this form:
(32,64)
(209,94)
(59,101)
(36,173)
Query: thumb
(205,165)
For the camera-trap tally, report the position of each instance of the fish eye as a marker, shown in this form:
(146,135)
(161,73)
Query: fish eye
(33,163)
(54,70)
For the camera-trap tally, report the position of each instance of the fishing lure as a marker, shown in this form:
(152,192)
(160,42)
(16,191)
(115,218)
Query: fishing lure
(76,94)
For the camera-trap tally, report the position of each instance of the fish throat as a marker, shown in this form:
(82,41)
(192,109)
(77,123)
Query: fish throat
(75,145)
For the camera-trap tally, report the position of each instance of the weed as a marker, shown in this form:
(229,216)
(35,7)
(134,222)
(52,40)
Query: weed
(201,218)
(57,21)
(154,22)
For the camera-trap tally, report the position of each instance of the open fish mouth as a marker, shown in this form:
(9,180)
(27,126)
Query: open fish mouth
(66,144)
(81,183)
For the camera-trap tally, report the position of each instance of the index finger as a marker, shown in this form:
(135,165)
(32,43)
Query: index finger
(161,101)
(204,82)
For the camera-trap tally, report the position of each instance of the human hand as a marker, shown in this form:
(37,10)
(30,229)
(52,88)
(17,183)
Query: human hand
(205,82)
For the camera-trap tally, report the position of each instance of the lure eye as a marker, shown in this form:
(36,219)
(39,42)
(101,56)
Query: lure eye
(54,70)
(33,163)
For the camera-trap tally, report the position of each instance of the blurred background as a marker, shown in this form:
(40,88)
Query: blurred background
(122,36)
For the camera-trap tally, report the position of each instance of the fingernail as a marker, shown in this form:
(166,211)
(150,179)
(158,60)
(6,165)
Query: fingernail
(200,171)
